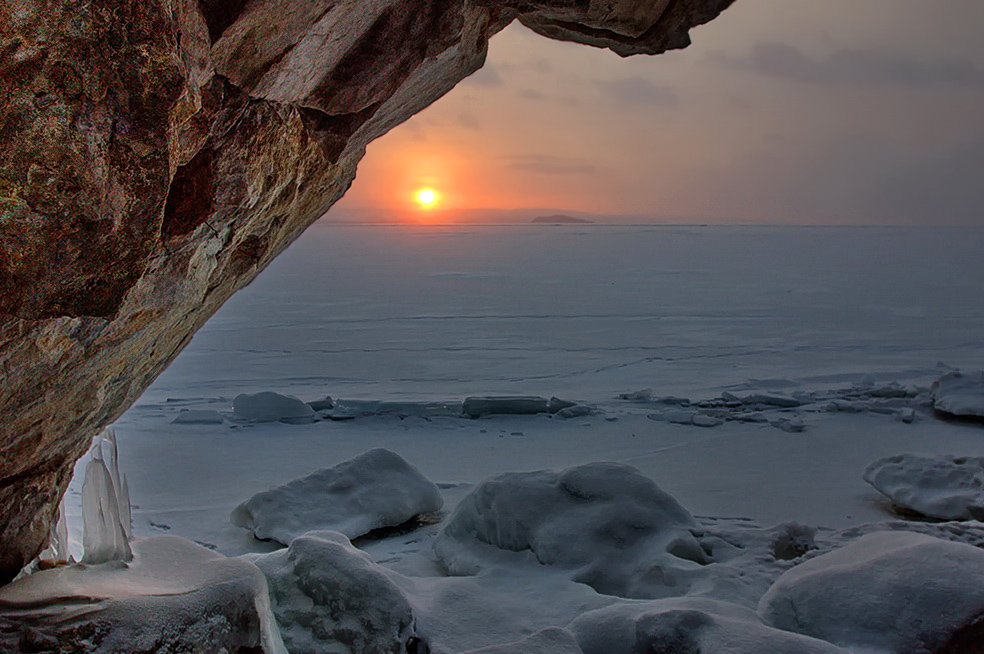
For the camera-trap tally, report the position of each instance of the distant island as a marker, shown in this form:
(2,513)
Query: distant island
(560,219)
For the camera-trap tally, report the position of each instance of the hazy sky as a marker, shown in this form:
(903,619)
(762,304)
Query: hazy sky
(782,111)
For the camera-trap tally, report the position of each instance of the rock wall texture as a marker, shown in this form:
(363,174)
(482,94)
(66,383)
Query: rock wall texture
(155,155)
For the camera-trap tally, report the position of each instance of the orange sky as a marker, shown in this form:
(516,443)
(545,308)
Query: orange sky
(781,112)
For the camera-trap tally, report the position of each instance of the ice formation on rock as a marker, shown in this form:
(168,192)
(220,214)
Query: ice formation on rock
(105,506)
(943,487)
(271,407)
(612,527)
(329,596)
(175,596)
(887,591)
(376,489)
(687,625)
(960,394)
(58,548)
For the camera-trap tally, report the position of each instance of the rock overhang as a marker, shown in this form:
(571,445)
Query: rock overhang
(160,154)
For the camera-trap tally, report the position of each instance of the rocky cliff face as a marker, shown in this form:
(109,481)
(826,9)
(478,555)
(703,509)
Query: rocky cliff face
(157,155)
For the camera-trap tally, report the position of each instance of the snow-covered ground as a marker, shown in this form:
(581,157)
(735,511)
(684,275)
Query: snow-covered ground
(805,354)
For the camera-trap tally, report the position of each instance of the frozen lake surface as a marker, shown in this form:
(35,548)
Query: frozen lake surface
(585,313)
(587,310)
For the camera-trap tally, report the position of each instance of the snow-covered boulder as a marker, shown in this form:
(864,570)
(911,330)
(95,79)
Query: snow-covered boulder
(271,407)
(612,527)
(174,596)
(943,487)
(552,640)
(375,489)
(329,596)
(960,394)
(687,624)
(887,591)
(198,417)
(475,407)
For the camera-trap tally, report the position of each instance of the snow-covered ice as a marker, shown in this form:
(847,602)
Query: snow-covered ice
(687,625)
(699,318)
(960,394)
(612,527)
(268,406)
(376,489)
(942,487)
(887,592)
(174,596)
(329,596)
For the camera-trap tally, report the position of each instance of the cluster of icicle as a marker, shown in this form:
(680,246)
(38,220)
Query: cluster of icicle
(105,505)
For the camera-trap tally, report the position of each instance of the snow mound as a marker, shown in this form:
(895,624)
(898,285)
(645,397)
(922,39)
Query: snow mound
(552,640)
(175,596)
(375,489)
(943,487)
(615,529)
(894,591)
(475,407)
(329,596)
(271,407)
(960,394)
(197,417)
(687,625)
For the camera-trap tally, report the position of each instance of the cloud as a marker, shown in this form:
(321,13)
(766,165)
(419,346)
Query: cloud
(468,120)
(942,188)
(853,66)
(487,76)
(549,165)
(865,179)
(639,91)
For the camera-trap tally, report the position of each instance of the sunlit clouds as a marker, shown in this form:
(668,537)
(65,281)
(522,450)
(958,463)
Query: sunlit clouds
(792,112)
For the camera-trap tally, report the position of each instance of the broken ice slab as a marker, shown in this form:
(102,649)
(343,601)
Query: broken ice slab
(322,405)
(271,407)
(701,420)
(574,411)
(771,399)
(556,404)
(376,407)
(791,425)
(960,394)
(645,395)
(506,404)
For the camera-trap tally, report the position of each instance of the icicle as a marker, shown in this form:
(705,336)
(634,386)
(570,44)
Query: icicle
(59,535)
(104,536)
(125,517)
(57,548)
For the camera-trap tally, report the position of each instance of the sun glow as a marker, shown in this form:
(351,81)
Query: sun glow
(427,198)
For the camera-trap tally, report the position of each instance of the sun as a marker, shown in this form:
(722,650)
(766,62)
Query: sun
(427,198)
